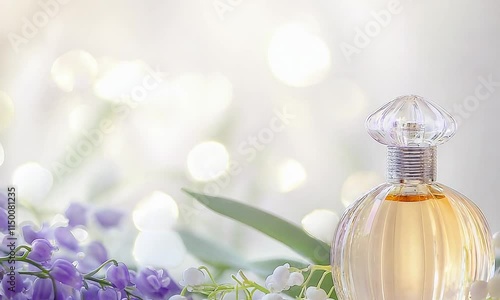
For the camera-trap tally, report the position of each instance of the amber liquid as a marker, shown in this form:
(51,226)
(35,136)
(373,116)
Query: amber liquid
(414,245)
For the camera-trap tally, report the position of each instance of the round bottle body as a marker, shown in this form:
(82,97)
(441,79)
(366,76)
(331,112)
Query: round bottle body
(411,242)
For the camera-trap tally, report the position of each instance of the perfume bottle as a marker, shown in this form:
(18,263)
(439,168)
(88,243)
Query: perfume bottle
(411,238)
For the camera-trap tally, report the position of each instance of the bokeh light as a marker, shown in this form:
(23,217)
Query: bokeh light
(357,185)
(291,174)
(6,110)
(350,100)
(160,249)
(80,118)
(59,220)
(207,161)
(33,181)
(321,223)
(74,69)
(118,80)
(202,94)
(80,234)
(298,57)
(156,212)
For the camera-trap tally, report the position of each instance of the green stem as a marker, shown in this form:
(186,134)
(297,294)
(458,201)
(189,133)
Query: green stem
(23,247)
(208,272)
(100,267)
(306,282)
(184,290)
(37,274)
(331,291)
(33,263)
(322,279)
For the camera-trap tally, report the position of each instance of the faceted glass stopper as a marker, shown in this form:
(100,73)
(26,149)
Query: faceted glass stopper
(411,121)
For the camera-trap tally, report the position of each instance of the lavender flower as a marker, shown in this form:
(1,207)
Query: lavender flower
(76,214)
(65,238)
(66,273)
(3,221)
(3,213)
(42,289)
(70,284)
(3,201)
(41,250)
(108,294)
(91,292)
(97,251)
(156,283)
(14,282)
(30,234)
(108,218)
(95,255)
(118,276)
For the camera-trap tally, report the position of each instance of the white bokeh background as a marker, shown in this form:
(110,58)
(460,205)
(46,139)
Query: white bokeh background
(227,68)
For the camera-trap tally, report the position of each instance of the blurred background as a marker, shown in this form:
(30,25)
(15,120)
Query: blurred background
(120,104)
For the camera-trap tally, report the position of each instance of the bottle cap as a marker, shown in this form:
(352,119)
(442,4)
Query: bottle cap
(411,121)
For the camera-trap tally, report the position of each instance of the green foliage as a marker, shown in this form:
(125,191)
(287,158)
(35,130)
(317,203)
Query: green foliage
(281,230)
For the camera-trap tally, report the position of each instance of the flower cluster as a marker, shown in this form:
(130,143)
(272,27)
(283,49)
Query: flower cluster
(480,290)
(52,264)
(279,282)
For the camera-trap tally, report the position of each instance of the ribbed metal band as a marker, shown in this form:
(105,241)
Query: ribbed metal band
(411,164)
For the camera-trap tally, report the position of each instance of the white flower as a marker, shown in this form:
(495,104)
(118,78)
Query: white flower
(192,277)
(278,281)
(258,295)
(314,293)
(296,278)
(272,296)
(479,290)
(232,295)
(496,240)
(494,286)
(177,297)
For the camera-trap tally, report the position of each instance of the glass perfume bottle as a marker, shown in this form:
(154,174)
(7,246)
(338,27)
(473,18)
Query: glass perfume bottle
(411,238)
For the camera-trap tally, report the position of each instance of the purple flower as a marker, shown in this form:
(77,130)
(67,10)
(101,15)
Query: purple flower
(108,294)
(76,214)
(12,284)
(65,238)
(3,201)
(91,292)
(97,251)
(66,273)
(108,218)
(41,250)
(118,275)
(4,225)
(30,234)
(95,255)
(156,283)
(133,276)
(42,289)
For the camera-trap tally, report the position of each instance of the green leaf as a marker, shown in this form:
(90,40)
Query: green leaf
(224,258)
(289,234)
(211,253)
